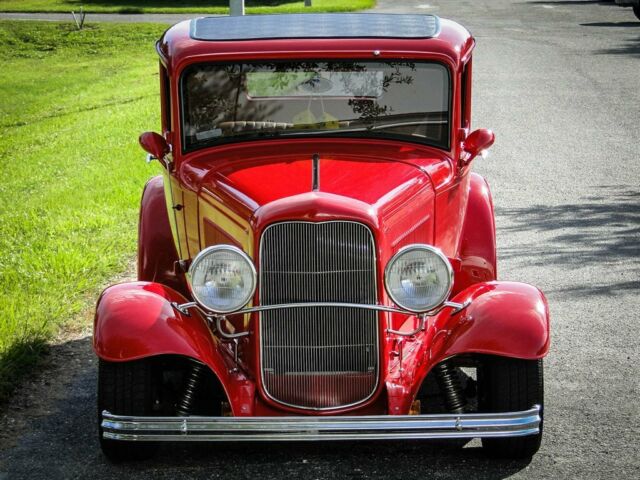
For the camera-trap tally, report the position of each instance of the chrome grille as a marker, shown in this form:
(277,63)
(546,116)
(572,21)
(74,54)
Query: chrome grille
(318,357)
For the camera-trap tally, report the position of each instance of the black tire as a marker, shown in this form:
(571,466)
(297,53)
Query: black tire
(509,385)
(125,389)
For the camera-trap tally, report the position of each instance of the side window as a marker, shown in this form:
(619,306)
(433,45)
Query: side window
(165,98)
(465,117)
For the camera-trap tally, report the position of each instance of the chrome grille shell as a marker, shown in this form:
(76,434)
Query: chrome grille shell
(318,358)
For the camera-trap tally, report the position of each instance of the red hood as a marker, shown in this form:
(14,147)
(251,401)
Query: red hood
(384,184)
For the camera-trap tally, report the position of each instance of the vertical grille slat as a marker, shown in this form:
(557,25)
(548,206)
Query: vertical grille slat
(318,358)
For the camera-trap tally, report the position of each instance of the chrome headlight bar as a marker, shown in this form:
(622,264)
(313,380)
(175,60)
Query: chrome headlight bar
(219,317)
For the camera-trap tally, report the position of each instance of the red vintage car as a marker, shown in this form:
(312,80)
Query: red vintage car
(317,260)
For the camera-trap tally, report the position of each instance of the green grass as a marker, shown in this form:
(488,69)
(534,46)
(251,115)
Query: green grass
(73,104)
(184,6)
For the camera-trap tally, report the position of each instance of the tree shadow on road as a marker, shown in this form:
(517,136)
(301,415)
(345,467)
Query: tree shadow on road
(571,2)
(602,229)
(21,356)
(630,47)
(612,24)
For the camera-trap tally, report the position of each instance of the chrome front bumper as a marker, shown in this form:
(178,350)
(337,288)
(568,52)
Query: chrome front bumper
(379,427)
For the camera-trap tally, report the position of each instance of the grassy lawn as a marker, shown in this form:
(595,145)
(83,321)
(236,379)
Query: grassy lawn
(181,6)
(73,104)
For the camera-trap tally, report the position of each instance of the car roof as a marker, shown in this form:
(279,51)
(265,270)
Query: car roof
(300,36)
(345,25)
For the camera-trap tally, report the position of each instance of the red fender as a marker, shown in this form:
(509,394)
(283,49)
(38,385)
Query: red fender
(157,254)
(136,320)
(478,243)
(504,318)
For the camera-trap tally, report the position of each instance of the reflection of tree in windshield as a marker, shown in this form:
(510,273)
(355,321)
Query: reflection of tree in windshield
(225,101)
(214,96)
(369,110)
(315,84)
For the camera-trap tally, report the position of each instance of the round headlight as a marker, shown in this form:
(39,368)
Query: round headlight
(418,278)
(222,278)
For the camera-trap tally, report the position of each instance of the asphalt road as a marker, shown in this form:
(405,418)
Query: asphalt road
(558,82)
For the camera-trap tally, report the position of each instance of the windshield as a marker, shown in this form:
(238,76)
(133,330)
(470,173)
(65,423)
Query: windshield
(228,102)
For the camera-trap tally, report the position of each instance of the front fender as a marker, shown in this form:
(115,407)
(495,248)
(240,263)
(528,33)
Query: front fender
(136,320)
(504,318)
(478,243)
(157,255)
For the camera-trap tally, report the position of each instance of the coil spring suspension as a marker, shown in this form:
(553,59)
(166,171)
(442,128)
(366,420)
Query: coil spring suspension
(191,387)
(449,384)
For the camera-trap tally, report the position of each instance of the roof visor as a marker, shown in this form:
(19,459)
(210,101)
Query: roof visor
(327,25)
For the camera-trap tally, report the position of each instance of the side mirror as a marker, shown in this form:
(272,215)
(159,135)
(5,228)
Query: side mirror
(155,145)
(476,143)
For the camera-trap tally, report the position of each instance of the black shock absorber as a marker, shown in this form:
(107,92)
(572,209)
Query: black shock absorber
(449,384)
(191,387)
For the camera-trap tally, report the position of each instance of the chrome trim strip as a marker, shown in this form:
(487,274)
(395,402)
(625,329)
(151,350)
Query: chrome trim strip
(305,428)
(184,308)
(224,334)
(315,175)
(320,304)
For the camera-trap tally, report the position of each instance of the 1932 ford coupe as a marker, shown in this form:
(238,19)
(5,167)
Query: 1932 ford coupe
(317,261)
